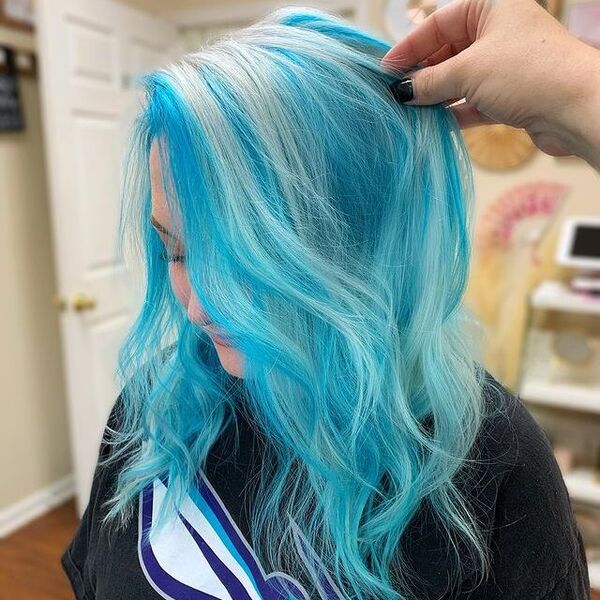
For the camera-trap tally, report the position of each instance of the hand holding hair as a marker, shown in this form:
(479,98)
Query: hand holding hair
(513,63)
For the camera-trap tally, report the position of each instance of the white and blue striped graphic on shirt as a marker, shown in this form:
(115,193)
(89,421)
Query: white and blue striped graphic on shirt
(202,555)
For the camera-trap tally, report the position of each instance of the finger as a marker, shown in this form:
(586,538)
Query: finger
(439,83)
(468,116)
(444,53)
(447,25)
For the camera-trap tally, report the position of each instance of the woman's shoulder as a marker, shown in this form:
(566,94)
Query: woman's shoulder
(514,490)
(533,535)
(510,437)
(515,450)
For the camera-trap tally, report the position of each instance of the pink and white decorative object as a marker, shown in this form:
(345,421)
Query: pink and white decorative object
(520,217)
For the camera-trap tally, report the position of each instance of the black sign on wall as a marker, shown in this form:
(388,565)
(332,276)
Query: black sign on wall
(11,115)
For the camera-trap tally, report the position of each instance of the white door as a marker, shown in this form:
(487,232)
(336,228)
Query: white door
(88,52)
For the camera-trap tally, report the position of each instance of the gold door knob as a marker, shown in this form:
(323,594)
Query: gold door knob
(59,302)
(81,302)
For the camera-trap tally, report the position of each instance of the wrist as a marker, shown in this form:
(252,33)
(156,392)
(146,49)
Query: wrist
(581,120)
(594,117)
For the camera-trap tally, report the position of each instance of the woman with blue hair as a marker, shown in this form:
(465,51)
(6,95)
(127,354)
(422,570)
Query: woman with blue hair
(302,415)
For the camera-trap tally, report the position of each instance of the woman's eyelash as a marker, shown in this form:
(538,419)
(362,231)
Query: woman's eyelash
(171,257)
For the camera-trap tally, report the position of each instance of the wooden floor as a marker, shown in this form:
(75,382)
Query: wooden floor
(30,566)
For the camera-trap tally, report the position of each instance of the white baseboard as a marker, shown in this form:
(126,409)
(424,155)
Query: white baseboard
(19,514)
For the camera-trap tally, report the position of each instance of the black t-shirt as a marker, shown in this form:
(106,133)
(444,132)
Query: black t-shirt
(518,495)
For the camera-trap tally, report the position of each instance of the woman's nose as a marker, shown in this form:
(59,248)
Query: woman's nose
(195,312)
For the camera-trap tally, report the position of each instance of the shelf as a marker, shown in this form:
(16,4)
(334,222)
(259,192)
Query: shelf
(556,295)
(570,396)
(583,486)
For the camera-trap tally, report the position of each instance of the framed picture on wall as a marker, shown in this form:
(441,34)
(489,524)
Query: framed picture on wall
(17,13)
(11,113)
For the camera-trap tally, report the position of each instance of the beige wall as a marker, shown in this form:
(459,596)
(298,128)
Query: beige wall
(34,447)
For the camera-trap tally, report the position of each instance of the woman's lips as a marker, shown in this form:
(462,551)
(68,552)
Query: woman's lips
(207,326)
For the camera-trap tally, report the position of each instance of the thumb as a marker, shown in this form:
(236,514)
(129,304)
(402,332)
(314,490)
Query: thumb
(432,85)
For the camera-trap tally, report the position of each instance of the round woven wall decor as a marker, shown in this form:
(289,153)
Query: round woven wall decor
(498,146)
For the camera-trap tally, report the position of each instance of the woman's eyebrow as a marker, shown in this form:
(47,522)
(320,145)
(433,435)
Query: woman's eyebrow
(162,229)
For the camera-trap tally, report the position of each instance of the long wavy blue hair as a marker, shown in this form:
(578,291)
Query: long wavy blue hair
(326,232)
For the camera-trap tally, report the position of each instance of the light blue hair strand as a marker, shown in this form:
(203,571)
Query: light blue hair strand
(326,232)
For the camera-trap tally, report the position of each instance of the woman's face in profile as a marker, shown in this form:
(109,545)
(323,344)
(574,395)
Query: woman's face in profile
(230,358)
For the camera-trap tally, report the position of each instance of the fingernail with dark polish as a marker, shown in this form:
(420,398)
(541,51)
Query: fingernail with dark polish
(402,90)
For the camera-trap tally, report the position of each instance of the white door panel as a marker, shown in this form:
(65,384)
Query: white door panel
(89,52)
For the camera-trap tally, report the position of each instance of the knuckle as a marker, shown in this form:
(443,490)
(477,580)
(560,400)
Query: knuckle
(461,73)
(426,84)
